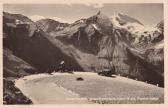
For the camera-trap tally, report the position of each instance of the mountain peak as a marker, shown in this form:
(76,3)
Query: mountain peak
(98,13)
(160,25)
(104,22)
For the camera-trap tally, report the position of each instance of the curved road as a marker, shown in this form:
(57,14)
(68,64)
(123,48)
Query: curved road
(64,89)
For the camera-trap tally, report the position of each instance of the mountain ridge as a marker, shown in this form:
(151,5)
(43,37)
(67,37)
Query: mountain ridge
(48,25)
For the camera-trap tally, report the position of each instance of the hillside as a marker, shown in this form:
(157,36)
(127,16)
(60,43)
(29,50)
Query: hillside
(13,68)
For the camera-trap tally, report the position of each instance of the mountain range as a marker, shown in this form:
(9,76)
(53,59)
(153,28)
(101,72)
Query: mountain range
(91,44)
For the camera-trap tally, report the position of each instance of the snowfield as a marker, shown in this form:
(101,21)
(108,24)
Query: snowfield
(63,88)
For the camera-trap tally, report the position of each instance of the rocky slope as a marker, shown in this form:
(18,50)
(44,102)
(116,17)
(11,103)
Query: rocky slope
(90,44)
(49,25)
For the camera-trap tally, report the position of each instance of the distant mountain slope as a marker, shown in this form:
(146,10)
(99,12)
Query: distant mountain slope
(11,20)
(48,25)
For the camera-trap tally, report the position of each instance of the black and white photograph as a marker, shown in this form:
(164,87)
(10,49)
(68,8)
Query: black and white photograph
(83,53)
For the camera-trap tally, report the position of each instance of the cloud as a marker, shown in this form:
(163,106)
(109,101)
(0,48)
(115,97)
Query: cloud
(38,17)
(95,5)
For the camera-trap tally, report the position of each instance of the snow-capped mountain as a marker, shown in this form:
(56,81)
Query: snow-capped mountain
(141,33)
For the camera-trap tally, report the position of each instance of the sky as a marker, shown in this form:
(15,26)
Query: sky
(148,14)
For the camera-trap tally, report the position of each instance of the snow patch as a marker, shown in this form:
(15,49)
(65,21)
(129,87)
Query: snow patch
(159,46)
(95,27)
